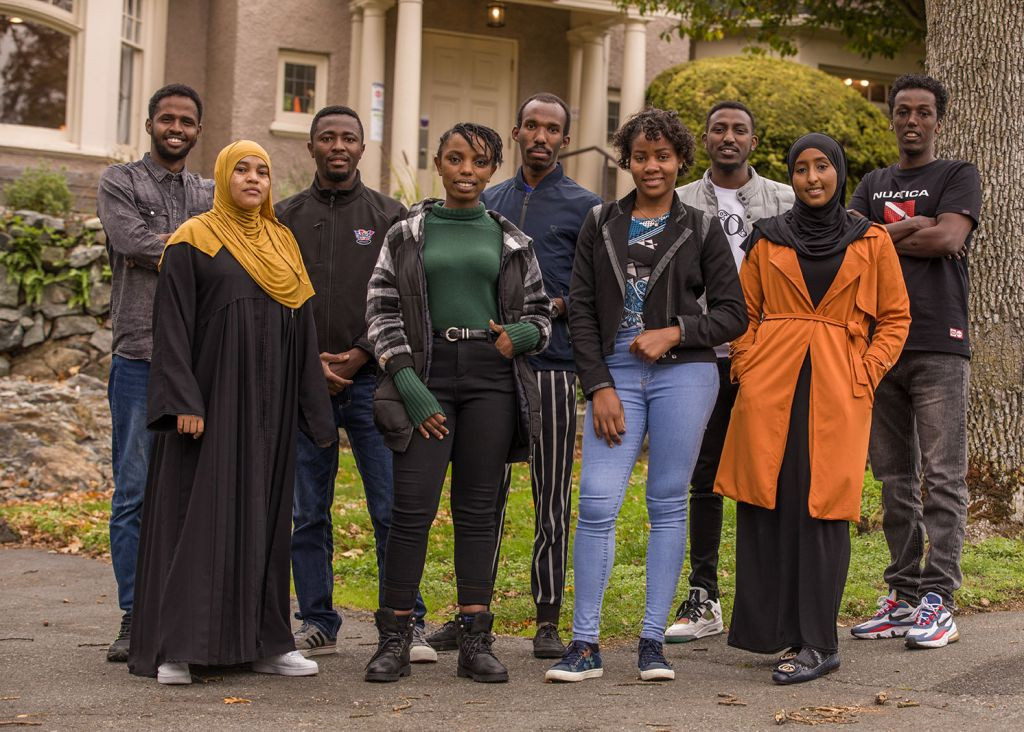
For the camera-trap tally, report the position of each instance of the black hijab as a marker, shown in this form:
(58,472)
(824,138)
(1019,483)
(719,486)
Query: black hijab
(814,232)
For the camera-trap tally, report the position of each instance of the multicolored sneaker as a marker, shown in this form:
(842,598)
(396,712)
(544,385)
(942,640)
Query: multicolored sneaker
(934,626)
(893,619)
(698,617)
(652,663)
(581,661)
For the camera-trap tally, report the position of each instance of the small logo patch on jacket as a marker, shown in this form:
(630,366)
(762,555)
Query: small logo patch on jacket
(363,236)
(956,333)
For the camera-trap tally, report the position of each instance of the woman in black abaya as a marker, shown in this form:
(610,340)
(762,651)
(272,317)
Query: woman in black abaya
(235,372)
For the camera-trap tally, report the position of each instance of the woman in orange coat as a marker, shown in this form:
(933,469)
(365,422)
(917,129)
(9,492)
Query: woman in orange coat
(816,279)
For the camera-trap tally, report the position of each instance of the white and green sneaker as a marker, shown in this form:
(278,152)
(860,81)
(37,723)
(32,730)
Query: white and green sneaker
(698,617)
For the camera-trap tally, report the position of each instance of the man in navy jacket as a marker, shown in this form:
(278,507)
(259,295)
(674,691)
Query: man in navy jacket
(549,207)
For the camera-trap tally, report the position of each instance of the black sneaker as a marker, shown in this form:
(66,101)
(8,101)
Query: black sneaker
(652,663)
(546,643)
(445,638)
(118,650)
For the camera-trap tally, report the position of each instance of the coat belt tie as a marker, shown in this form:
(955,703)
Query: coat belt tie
(855,331)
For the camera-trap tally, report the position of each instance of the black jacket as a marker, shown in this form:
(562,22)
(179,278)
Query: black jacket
(340,234)
(693,266)
(398,316)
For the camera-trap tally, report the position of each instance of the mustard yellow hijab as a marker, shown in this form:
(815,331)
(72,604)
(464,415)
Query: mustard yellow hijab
(264,247)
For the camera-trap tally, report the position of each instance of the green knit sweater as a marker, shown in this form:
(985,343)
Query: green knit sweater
(461,260)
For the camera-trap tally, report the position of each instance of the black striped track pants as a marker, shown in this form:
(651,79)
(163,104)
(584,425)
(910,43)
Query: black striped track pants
(551,473)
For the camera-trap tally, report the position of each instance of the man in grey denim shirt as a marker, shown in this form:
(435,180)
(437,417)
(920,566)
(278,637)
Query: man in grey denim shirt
(141,204)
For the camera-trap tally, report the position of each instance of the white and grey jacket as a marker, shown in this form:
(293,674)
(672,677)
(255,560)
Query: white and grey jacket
(761,197)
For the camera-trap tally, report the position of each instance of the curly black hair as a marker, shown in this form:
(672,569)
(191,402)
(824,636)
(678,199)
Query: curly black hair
(653,123)
(175,90)
(480,137)
(920,81)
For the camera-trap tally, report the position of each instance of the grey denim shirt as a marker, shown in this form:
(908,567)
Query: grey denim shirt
(137,202)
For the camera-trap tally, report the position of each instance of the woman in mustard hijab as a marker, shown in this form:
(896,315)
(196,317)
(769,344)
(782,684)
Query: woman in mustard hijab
(235,372)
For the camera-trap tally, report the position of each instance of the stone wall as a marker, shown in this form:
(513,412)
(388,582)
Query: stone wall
(57,335)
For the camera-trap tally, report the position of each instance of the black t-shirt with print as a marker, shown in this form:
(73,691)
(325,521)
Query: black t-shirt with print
(937,286)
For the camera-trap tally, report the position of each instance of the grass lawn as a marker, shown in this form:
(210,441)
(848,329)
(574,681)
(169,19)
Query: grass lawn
(993,568)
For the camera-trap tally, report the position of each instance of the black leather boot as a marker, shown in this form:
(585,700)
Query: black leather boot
(476,660)
(394,635)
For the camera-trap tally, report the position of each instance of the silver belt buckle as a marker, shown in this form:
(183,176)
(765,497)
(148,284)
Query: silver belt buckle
(452,334)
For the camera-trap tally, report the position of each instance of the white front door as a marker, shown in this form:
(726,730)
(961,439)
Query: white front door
(465,79)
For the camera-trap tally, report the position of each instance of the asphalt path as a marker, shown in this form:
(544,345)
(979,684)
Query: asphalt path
(59,612)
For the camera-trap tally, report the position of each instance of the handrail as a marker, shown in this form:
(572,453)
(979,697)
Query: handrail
(603,153)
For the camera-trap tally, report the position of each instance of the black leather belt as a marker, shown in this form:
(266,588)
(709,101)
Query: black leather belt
(463,334)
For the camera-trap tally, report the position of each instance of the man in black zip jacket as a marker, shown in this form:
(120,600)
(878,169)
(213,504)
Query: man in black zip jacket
(340,226)
(549,207)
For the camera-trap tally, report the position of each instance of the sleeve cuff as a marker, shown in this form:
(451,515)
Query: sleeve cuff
(419,402)
(524,336)
(398,362)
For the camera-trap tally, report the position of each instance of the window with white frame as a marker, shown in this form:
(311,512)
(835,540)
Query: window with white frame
(301,90)
(131,64)
(35,68)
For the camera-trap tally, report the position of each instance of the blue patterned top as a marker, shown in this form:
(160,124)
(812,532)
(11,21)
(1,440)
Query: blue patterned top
(640,252)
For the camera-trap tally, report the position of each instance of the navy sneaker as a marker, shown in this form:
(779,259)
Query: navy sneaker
(652,663)
(934,627)
(581,661)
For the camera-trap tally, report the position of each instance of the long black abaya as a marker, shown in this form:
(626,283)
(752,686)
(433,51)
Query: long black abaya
(790,567)
(212,584)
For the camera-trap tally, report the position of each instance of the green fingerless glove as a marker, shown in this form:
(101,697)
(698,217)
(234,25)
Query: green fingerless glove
(419,402)
(524,336)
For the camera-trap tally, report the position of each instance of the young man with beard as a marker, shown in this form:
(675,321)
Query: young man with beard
(340,225)
(549,207)
(733,192)
(141,204)
(919,427)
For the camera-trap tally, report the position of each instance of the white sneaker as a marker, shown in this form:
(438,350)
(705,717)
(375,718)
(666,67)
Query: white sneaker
(697,617)
(173,673)
(419,650)
(286,664)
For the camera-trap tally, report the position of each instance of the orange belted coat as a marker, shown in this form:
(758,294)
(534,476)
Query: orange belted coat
(846,366)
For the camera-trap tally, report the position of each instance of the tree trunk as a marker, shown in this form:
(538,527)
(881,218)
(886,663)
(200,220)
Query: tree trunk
(974,47)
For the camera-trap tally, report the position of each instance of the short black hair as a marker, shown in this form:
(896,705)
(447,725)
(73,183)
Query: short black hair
(331,111)
(920,81)
(479,137)
(547,98)
(731,104)
(653,123)
(175,90)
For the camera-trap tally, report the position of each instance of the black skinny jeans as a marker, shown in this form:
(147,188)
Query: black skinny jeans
(705,504)
(475,386)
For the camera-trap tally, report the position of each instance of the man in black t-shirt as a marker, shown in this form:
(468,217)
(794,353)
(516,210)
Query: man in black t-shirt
(919,430)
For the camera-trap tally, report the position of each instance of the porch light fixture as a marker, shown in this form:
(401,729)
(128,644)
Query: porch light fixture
(14,20)
(496,15)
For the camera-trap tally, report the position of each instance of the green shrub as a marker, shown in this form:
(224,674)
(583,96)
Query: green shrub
(788,100)
(42,190)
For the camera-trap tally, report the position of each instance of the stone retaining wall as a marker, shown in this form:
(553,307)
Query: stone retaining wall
(53,338)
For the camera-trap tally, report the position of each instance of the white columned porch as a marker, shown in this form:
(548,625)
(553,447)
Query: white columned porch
(593,119)
(405,114)
(631,95)
(355,56)
(575,74)
(371,99)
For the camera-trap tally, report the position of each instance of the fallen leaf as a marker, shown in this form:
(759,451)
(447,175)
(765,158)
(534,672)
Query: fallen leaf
(352,553)
(404,705)
(780,716)
(985,602)
(904,703)
(881,697)
(66,601)
(236,700)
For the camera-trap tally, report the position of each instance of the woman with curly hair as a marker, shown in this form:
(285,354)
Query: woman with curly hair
(644,345)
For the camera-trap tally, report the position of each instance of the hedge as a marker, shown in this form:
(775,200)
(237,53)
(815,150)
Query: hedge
(788,100)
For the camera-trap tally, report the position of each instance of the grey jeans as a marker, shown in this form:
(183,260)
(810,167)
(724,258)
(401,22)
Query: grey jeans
(919,453)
